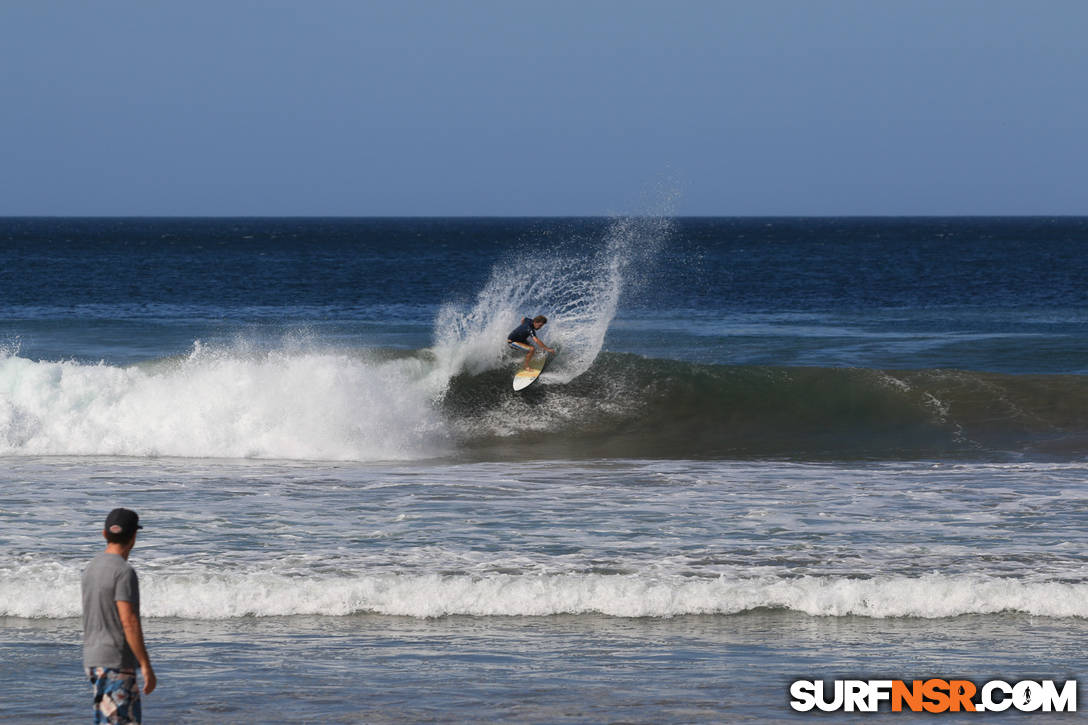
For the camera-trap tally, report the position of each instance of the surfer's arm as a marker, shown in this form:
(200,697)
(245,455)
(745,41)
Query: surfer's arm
(543,344)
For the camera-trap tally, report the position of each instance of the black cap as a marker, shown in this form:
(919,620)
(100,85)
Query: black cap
(122,522)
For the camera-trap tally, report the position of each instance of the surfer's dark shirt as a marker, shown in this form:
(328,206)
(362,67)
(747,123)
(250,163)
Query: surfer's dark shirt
(523,331)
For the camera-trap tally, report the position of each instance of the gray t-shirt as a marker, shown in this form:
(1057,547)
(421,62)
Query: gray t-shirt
(107,580)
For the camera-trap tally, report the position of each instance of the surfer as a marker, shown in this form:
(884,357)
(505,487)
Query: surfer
(524,339)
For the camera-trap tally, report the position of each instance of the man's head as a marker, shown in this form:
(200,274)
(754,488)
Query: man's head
(539,321)
(121,526)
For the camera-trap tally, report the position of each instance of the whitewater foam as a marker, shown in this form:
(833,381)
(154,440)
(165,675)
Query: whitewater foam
(52,591)
(222,403)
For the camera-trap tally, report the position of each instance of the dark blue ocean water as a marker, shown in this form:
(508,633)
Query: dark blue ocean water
(768,449)
(1002,295)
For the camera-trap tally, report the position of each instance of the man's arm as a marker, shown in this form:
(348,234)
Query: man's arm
(543,344)
(134,635)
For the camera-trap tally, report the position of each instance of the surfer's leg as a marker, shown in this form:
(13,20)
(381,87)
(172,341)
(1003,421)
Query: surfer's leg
(522,347)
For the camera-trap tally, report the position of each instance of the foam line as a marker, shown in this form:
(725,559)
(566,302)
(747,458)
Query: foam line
(52,591)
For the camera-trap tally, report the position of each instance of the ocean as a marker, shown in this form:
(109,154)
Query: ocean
(768,450)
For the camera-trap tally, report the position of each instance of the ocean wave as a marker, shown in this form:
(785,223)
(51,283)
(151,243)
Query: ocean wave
(304,403)
(52,591)
(627,406)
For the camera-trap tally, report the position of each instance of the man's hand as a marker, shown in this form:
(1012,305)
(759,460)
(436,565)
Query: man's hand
(149,679)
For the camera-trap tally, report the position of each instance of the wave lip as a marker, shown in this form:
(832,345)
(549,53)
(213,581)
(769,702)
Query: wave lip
(53,592)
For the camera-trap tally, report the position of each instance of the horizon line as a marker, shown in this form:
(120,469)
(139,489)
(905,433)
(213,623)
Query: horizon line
(546,216)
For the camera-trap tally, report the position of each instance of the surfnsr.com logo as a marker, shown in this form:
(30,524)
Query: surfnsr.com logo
(933,695)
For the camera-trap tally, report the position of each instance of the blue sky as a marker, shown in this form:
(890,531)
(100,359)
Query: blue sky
(504,107)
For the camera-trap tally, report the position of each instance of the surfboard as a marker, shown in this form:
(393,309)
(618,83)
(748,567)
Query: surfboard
(524,378)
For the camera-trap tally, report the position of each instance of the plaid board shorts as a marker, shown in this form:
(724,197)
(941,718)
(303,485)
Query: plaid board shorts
(116,695)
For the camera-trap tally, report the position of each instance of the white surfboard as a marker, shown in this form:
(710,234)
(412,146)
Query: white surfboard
(524,378)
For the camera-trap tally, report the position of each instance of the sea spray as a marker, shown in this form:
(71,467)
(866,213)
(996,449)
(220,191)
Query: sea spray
(577,283)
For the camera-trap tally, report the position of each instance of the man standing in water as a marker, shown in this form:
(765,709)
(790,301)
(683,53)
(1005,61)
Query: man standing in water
(524,339)
(113,640)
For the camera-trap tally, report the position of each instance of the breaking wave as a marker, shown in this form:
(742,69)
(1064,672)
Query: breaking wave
(52,591)
(364,405)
